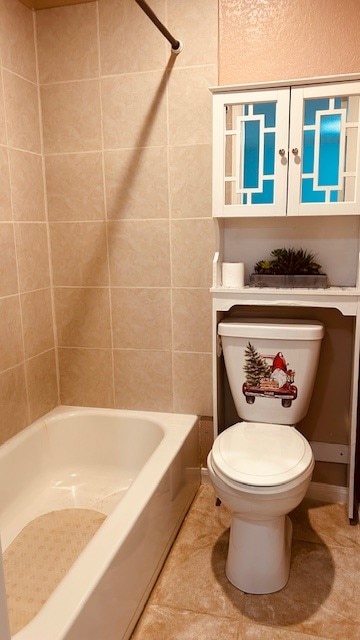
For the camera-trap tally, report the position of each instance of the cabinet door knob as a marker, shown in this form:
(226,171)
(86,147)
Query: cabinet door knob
(295,151)
(282,152)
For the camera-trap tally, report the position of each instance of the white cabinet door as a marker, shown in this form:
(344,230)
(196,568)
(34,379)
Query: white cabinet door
(324,155)
(250,153)
(263,168)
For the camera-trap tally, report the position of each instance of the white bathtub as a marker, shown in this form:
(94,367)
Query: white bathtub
(139,468)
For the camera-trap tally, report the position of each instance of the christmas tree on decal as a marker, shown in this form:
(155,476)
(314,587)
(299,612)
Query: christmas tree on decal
(255,366)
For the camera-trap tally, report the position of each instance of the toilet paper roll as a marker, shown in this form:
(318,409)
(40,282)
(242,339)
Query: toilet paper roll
(233,275)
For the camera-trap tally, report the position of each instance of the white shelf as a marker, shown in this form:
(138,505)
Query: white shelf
(329,291)
(345,299)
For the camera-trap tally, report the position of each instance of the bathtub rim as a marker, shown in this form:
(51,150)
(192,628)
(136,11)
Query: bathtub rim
(83,576)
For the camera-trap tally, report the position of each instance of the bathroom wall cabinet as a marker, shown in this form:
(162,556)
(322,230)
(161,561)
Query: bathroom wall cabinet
(287,150)
(285,155)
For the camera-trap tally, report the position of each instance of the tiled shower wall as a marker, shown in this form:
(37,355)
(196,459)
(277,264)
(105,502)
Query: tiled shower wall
(108,177)
(28,383)
(127,135)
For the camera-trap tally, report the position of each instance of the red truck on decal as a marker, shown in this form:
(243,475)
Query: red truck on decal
(287,393)
(278,381)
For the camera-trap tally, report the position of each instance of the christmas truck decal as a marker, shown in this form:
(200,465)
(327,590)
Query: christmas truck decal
(268,376)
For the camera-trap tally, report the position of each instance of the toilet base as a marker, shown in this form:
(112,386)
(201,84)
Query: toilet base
(259,554)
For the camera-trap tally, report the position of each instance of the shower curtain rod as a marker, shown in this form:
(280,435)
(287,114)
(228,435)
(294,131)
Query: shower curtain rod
(176,45)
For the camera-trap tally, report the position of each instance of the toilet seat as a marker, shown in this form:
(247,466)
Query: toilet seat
(260,454)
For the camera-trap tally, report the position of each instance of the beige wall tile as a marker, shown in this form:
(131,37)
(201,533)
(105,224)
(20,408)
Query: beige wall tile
(11,352)
(17,39)
(71,116)
(190,105)
(42,384)
(86,377)
(67,43)
(3,136)
(22,113)
(191,310)
(141,318)
(190,181)
(139,253)
(79,254)
(75,188)
(193,383)
(5,197)
(83,317)
(37,322)
(134,110)
(121,52)
(186,20)
(13,402)
(8,272)
(137,183)
(27,185)
(143,380)
(33,255)
(194,240)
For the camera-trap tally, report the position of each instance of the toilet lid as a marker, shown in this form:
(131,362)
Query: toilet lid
(262,455)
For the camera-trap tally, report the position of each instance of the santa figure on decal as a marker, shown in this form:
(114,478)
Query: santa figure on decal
(280,372)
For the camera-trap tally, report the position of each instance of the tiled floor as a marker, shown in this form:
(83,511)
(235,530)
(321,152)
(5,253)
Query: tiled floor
(192,599)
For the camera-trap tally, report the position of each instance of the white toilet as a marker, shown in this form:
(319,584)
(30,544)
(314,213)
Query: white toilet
(261,467)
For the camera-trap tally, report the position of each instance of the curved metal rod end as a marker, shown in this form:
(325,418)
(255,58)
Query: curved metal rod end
(178,49)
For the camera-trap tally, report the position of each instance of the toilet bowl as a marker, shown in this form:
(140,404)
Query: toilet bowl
(260,536)
(261,470)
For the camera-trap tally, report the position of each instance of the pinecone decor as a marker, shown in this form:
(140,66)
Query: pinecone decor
(255,366)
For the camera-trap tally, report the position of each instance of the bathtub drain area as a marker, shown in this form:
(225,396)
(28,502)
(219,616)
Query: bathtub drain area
(40,556)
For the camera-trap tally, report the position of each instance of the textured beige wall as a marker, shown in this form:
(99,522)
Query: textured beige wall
(28,383)
(127,139)
(282,39)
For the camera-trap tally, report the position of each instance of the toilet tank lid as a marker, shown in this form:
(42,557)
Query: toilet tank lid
(273,328)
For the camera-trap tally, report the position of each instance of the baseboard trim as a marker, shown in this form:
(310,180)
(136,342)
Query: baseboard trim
(327,492)
(317,490)
(205,476)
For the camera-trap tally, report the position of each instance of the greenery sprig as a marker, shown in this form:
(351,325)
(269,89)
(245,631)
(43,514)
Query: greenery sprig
(289,262)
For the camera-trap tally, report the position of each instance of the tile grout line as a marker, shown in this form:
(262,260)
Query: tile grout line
(170,228)
(18,75)
(28,359)
(111,149)
(115,75)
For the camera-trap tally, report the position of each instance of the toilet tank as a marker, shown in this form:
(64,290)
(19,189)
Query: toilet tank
(271,366)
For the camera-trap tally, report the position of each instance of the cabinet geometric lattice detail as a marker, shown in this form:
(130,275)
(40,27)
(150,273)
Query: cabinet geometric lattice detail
(287,151)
